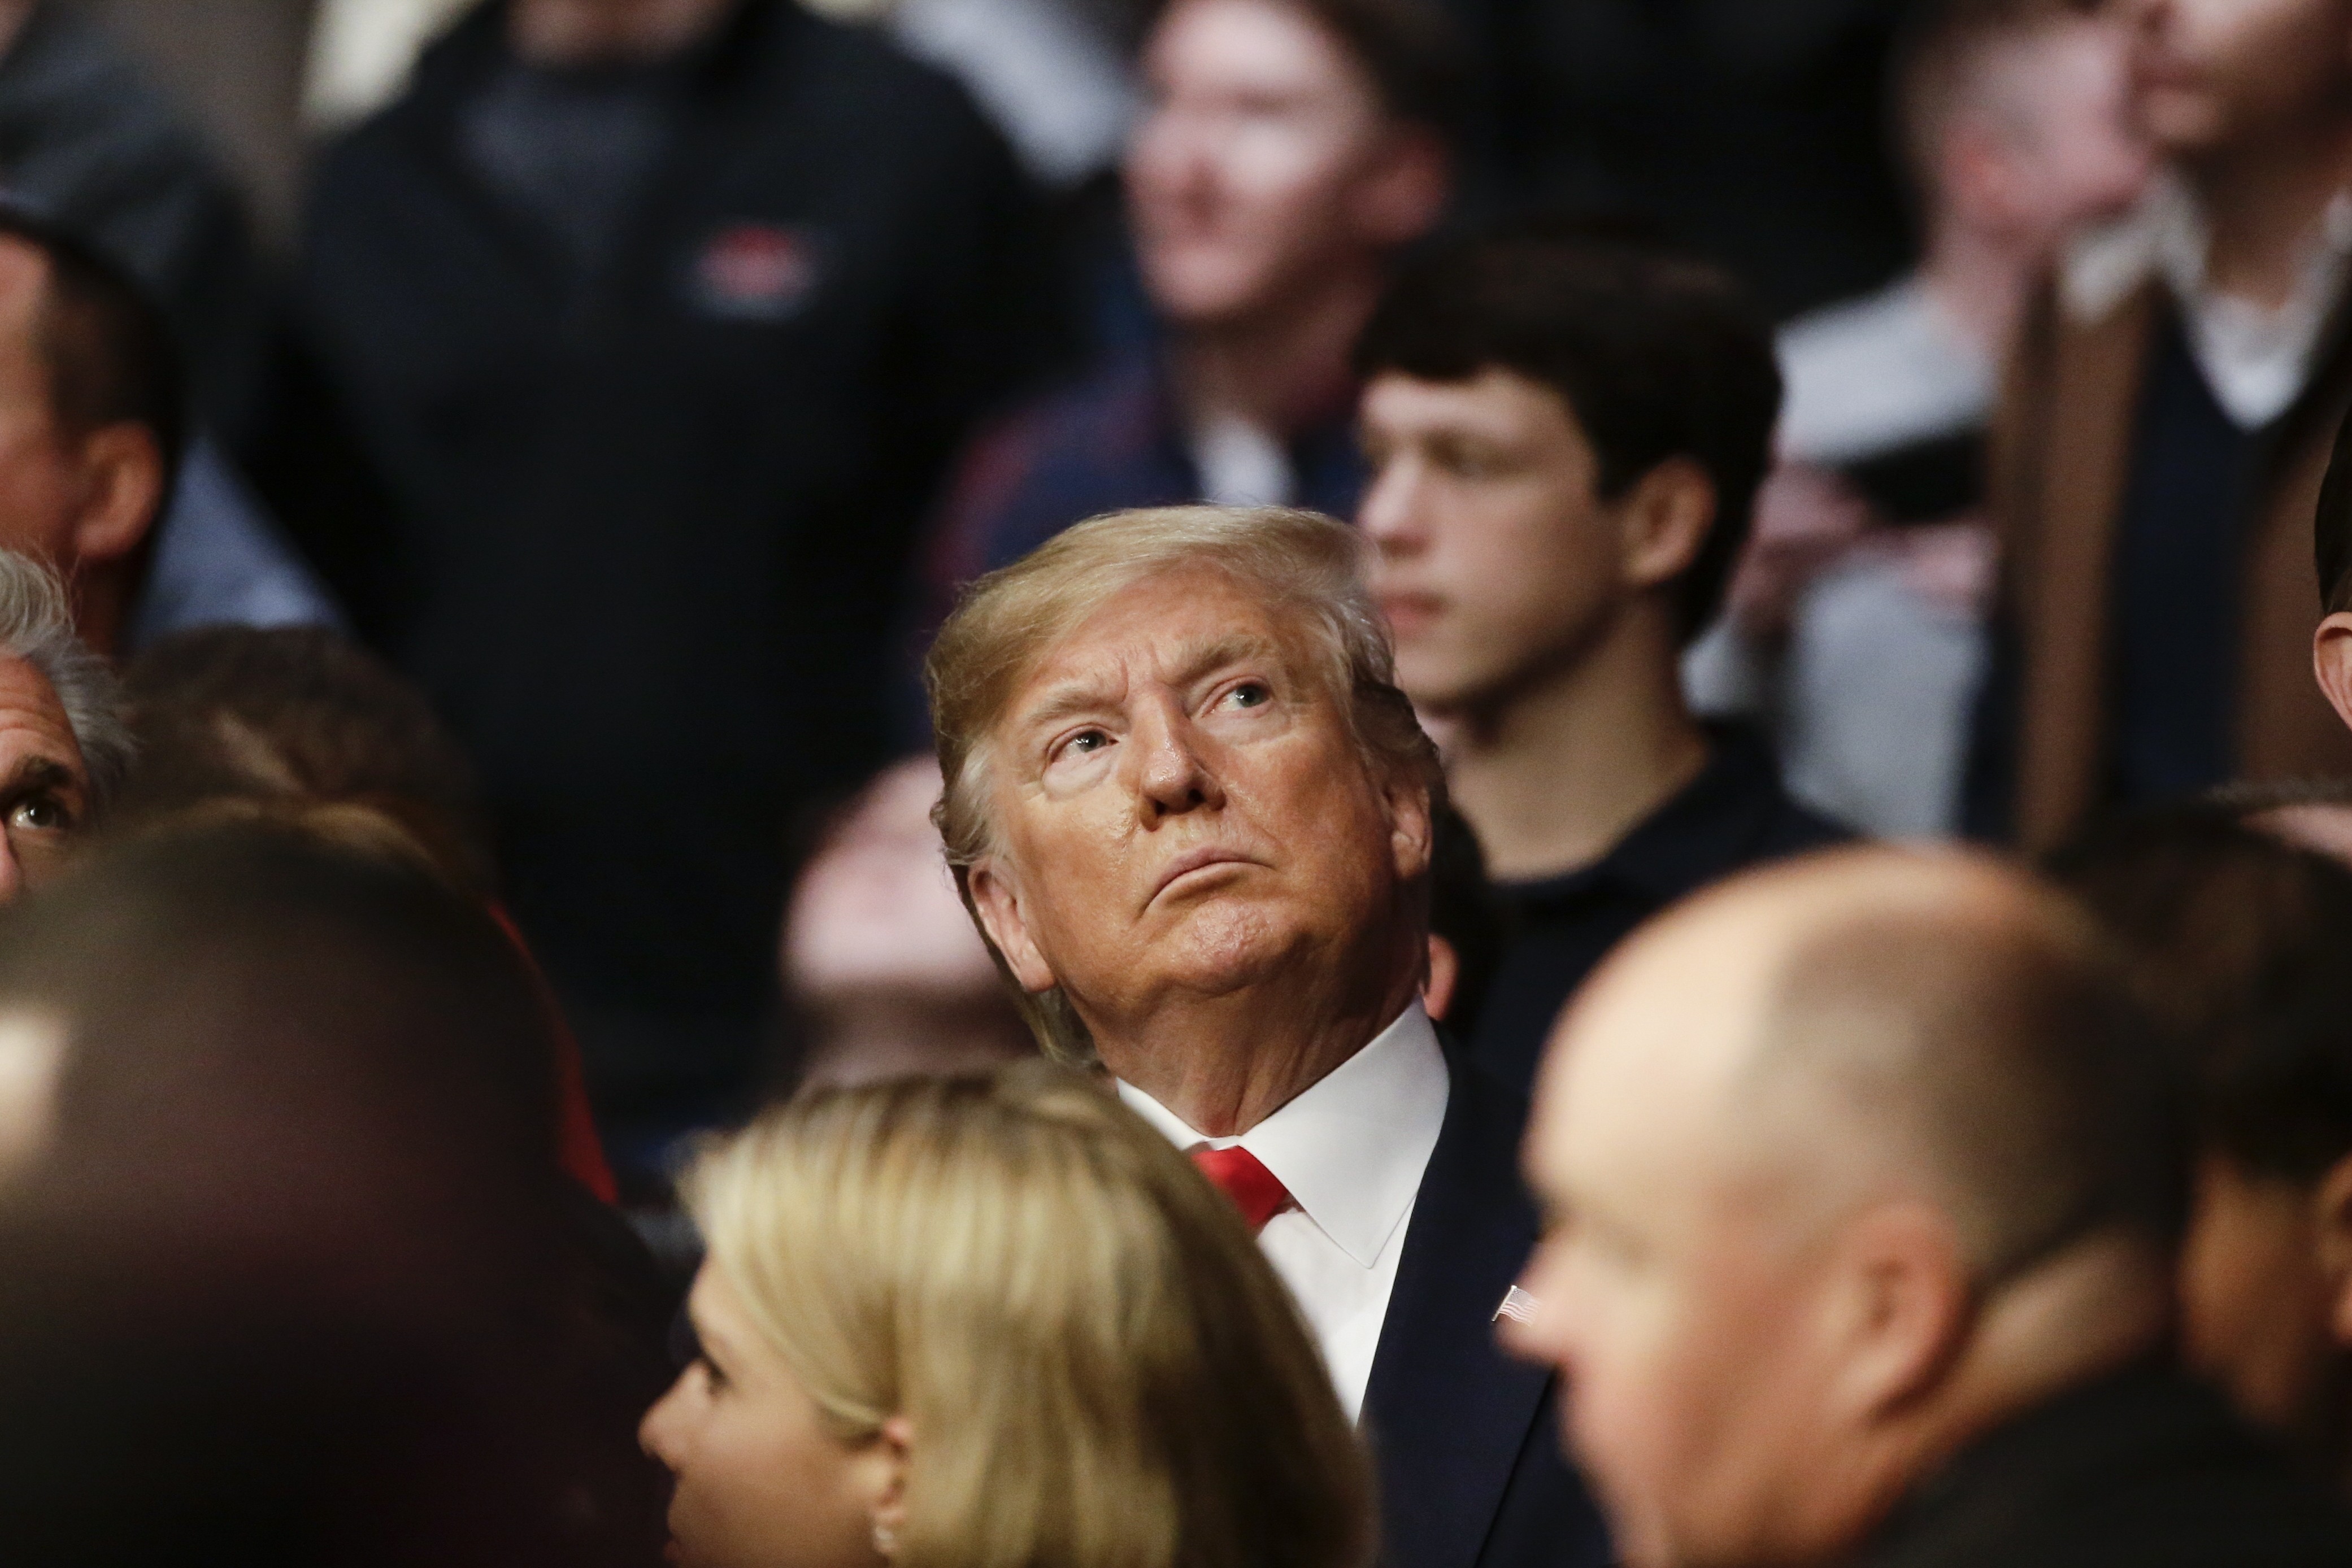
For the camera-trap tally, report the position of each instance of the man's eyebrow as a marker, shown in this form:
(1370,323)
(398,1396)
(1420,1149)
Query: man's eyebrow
(38,772)
(1086,694)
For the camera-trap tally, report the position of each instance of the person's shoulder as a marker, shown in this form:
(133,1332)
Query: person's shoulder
(76,94)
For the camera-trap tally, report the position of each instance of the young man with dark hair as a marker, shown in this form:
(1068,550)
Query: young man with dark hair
(1566,436)
(2166,423)
(2238,938)
(1287,149)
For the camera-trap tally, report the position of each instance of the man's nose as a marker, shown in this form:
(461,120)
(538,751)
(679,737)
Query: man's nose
(1390,514)
(1173,776)
(11,872)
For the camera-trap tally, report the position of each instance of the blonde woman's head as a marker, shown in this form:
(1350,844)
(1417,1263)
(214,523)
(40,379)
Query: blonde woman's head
(1023,1330)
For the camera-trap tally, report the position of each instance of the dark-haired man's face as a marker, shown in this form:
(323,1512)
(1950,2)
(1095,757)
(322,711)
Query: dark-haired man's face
(2266,1295)
(2210,75)
(1263,168)
(1496,560)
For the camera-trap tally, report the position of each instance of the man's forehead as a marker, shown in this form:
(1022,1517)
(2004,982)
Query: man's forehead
(1175,626)
(33,722)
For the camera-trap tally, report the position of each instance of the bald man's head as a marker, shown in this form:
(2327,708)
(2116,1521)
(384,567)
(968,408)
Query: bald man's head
(1799,1140)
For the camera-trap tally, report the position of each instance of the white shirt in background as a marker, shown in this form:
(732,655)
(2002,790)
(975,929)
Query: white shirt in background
(1352,1150)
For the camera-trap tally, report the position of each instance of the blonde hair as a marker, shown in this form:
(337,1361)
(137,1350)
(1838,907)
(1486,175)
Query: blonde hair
(1099,1368)
(1007,622)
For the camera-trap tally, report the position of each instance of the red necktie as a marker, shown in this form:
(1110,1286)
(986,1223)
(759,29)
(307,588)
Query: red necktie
(1255,1189)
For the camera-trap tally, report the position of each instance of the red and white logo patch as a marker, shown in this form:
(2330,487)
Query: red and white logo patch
(757,272)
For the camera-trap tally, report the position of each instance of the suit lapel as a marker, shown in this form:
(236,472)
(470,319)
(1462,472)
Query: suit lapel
(1446,1413)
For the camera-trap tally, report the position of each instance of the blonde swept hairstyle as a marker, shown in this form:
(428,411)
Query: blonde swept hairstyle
(1302,563)
(1099,1368)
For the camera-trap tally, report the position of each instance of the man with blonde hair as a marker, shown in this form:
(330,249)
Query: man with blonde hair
(1190,812)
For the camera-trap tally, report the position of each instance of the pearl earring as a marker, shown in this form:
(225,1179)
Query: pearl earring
(886,1540)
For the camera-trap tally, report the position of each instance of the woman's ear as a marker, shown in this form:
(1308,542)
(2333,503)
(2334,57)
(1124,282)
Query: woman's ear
(894,1445)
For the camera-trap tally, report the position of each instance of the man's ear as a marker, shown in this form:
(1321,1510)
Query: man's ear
(1412,828)
(997,897)
(1666,518)
(1404,192)
(2331,661)
(122,492)
(2331,1232)
(1899,1308)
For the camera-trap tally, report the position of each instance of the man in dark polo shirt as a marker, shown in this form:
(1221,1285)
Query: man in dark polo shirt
(635,338)
(1566,435)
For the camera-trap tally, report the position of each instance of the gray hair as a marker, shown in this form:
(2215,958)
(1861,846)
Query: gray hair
(37,627)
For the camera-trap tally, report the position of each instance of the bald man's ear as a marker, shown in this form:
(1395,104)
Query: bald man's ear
(1665,519)
(2331,1232)
(2331,661)
(998,898)
(122,492)
(1900,1306)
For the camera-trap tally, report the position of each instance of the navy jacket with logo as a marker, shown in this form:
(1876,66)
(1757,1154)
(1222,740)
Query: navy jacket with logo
(641,538)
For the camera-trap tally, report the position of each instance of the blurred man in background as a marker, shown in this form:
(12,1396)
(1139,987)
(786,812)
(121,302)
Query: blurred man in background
(2173,404)
(1566,436)
(884,975)
(632,341)
(1864,1189)
(2237,941)
(94,446)
(1751,134)
(1287,149)
(1854,622)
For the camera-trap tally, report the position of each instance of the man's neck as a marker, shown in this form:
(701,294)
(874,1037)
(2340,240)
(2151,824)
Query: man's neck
(1979,281)
(2263,204)
(14,15)
(1225,1063)
(592,32)
(102,607)
(1552,777)
(1280,369)
(2086,1314)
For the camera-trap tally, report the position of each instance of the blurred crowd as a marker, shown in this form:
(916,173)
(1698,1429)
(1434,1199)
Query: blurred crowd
(1432,783)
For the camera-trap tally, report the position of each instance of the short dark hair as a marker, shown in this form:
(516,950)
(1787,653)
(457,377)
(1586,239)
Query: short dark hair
(109,351)
(296,716)
(2331,533)
(2240,942)
(1411,50)
(1658,356)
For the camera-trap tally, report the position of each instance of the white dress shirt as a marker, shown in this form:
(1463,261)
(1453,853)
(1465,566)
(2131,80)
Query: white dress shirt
(2255,359)
(1351,1151)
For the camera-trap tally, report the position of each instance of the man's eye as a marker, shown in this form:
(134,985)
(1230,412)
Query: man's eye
(1085,741)
(1250,693)
(44,813)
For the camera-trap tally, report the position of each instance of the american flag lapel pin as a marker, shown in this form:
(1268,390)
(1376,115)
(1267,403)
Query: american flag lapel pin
(1518,1306)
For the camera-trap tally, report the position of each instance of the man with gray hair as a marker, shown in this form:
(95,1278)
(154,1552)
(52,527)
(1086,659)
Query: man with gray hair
(1190,812)
(64,749)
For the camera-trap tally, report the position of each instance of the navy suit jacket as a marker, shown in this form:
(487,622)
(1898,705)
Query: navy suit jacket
(1468,1440)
